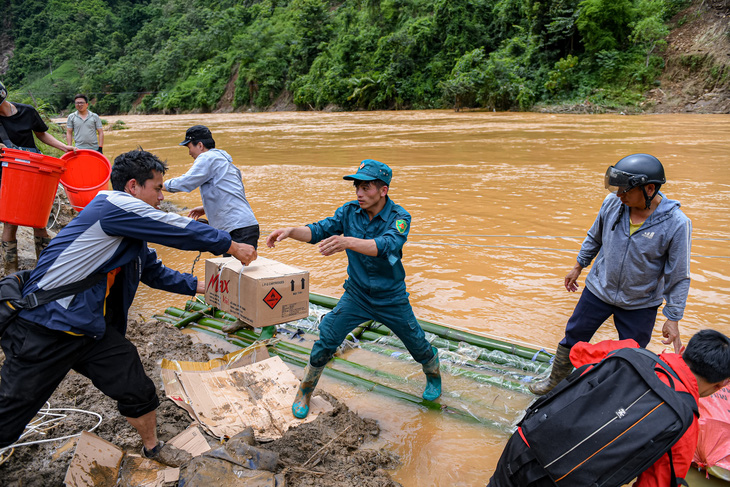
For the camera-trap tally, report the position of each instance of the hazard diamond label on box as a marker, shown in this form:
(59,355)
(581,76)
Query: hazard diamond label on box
(272,298)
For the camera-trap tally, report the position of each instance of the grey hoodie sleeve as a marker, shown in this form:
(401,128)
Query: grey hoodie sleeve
(594,240)
(676,271)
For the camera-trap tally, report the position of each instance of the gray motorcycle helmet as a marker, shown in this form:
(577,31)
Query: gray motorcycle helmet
(636,170)
(3,92)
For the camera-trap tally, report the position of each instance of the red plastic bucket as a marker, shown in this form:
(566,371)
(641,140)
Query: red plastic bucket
(87,173)
(29,184)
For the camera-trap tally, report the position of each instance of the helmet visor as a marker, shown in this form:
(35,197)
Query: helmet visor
(619,182)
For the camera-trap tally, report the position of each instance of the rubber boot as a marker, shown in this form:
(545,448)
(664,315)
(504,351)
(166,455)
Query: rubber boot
(167,455)
(10,256)
(40,244)
(300,408)
(561,369)
(433,377)
(267,332)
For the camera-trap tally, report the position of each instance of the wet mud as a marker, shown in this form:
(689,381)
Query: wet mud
(330,451)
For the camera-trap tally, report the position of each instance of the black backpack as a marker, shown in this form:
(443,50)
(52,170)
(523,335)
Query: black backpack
(12,300)
(603,426)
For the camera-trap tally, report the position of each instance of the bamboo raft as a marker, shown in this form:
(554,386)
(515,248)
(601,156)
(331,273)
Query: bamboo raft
(487,361)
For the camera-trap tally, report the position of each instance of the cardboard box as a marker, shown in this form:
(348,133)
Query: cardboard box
(264,293)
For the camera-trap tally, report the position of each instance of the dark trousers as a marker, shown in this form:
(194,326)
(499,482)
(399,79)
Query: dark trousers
(352,310)
(591,312)
(517,467)
(37,359)
(248,235)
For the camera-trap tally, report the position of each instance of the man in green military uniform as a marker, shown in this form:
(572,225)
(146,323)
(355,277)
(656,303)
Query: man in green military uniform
(372,230)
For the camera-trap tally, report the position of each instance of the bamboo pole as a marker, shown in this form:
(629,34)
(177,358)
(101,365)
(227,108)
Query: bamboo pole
(455,370)
(372,386)
(493,356)
(463,336)
(244,338)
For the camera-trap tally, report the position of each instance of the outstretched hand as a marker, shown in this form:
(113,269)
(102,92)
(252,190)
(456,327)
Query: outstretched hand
(277,236)
(196,212)
(302,234)
(332,245)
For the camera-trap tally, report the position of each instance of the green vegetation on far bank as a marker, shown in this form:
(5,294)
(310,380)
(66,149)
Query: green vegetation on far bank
(184,55)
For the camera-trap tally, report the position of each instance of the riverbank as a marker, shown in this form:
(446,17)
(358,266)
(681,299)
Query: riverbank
(333,450)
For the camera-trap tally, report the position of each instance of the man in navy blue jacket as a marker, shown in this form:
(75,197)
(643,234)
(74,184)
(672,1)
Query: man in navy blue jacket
(85,332)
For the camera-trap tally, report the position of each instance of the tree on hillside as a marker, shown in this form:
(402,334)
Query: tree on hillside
(605,25)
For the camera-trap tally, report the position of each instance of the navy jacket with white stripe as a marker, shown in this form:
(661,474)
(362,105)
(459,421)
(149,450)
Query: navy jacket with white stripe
(112,232)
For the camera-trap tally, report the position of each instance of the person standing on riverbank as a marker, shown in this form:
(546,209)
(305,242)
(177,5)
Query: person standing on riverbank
(84,126)
(18,124)
(641,241)
(372,231)
(86,331)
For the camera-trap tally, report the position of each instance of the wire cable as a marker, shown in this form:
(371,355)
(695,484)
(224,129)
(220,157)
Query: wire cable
(46,420)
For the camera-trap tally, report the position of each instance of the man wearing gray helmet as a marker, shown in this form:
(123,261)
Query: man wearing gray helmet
(641,241)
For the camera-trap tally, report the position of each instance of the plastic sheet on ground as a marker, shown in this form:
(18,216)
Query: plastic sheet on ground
(713,446)
(226,396)
(205,472)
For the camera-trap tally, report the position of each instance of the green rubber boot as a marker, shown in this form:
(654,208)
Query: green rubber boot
(561,369)
(267,332)
(10,256)
(300,408)
(433,377)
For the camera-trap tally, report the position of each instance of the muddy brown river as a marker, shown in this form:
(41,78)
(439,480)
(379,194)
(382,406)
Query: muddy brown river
(500,204)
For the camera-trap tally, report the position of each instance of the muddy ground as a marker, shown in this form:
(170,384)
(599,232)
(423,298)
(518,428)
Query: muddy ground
(346,461)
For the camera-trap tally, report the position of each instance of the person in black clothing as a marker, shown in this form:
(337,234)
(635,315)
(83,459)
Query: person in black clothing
(18,124)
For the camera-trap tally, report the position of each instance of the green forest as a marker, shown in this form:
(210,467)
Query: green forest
(171,56)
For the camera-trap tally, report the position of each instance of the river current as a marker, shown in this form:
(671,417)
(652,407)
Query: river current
(500,203)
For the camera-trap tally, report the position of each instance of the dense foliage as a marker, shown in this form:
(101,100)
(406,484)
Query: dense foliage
(178,55)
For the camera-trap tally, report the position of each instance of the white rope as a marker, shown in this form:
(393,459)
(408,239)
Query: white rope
(57,201)
(47,417)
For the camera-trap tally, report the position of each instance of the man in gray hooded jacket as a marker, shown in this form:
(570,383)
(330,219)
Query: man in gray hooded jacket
(641,243)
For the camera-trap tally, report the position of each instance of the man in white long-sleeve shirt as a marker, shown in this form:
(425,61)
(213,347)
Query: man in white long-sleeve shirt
(221,187)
